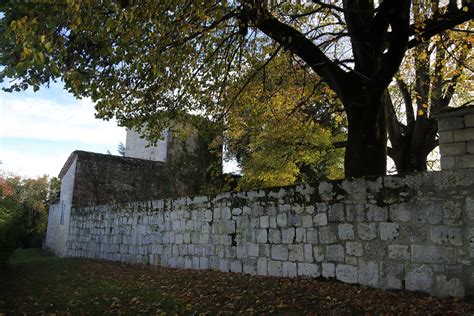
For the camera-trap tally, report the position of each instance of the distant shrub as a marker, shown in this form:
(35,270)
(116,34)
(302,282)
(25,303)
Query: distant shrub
(10,228)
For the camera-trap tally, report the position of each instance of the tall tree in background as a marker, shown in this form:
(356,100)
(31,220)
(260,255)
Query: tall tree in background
(143,61)
(283,127)
(432,74)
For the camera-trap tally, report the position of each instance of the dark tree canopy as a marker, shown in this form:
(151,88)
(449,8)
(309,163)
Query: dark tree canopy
(149,61)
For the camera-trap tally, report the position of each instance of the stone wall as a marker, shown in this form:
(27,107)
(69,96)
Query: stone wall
(59,213)
(412,232)
(456,137)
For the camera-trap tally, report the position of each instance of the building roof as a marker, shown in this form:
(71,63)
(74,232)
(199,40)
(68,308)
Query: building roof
(105,157)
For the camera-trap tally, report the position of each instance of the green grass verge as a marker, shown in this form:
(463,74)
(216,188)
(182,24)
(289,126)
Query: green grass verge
(35,283)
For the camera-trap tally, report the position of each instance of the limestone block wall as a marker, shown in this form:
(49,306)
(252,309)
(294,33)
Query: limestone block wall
(456,137)
(414,232)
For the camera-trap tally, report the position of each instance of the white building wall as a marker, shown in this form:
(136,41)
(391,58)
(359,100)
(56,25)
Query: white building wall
(136,147)
(59,214)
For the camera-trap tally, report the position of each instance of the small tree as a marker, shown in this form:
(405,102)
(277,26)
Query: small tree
(121,149)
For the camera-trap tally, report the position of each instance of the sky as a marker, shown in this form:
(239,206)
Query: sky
(39,130)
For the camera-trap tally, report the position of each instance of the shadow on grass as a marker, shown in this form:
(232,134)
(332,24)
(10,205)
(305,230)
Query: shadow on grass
(37,283)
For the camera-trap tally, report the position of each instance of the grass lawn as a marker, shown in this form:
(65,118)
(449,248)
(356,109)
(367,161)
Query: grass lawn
(34,283)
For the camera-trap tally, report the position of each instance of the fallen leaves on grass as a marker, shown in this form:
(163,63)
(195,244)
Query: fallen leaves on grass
(91,286)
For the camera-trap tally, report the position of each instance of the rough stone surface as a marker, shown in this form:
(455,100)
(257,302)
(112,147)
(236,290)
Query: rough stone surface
(346,273)
(451,123)
(420,278)
(369,273)
(414,232)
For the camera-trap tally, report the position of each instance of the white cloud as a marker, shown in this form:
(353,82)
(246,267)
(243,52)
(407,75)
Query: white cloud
(40,118)
(32,165)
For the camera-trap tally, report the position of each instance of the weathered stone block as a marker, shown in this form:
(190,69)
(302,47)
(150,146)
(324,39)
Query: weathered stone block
(280,252)
(289,269)
(470,147)
(288,235)
(433,254)
(446,137)
(400,212)
(452,209)
(327,234)
(336,212)
(465,161)
(224,265)
(294,219)
(443,235)
(355,212)
(345,231)
(296,253)
(391,275)
(469,120)
(319,253)
(308,253)
(325,187)
(282,220)
(236,266)
(419,278)
(264,222)
(389,231)
(262,266)
(463,135)
(376,213)
(264,250)
(414,233)
(354,249)
(310,209)
(249,266)
(429,212)
(328,270)
(368,273)
(274,236)
(272,222)
(452,149)
(203,263)
(449,287)
(312,235)
(300,235)
(335,253)
(308,269)
(226,214)
(448,163)
(307,221)
(399,252)
(346,273)
(367,231)
(450,123)
(376,249)
(262,236)
(275,268)
(320,219)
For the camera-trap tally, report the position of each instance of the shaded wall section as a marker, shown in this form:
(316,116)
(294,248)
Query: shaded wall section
(104,179)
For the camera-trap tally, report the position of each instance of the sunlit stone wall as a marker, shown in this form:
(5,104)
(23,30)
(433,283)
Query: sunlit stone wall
(412,232)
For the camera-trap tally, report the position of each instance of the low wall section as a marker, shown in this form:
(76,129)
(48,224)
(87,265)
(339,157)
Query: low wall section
(414,232)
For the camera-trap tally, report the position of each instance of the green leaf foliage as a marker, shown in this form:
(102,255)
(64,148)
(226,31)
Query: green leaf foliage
(282,129)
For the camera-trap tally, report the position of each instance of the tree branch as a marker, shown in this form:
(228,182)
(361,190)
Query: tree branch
(399,20)
(296,42)
(402,86)
(439,24)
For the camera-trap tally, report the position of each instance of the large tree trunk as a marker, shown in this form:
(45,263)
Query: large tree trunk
(411,143)
(410,153)
(366,148)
